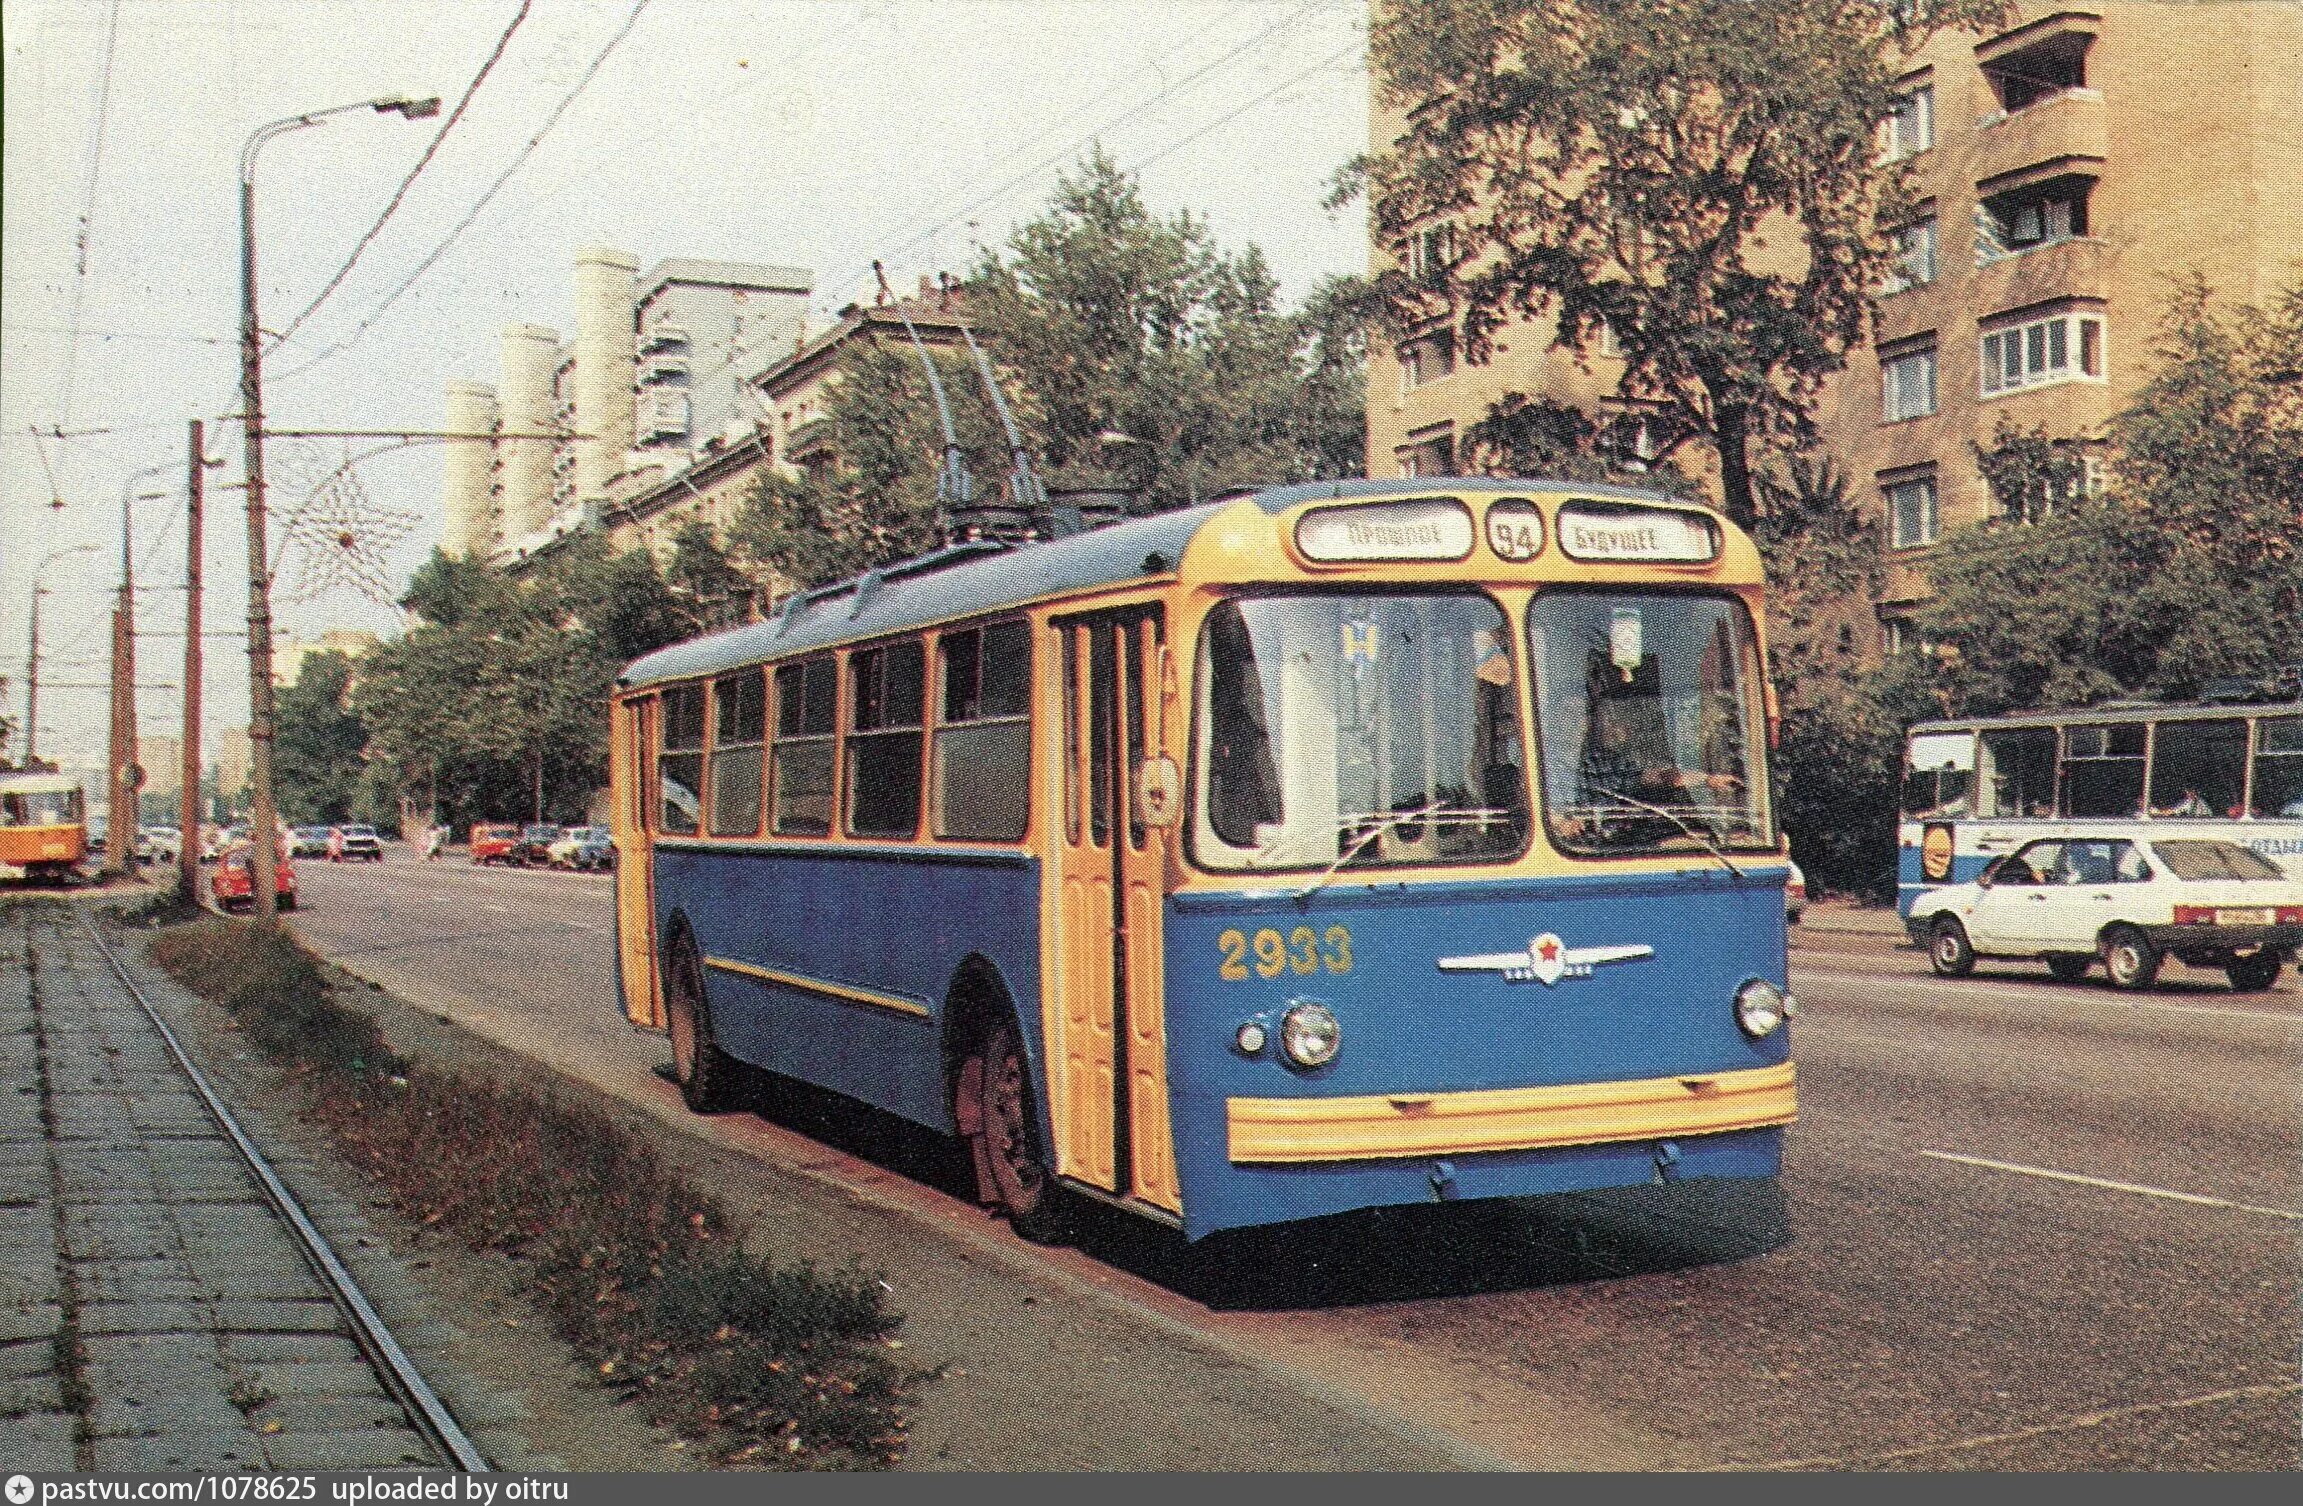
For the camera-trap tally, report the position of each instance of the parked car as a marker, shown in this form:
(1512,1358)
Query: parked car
(99,829)
(534,849)
(158,844)
(349,844)
(1794,894)
(582,848)
(308,841)
(233,880)
(493,843)
(2127,902)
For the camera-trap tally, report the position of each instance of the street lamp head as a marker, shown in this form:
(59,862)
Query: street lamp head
(413,109)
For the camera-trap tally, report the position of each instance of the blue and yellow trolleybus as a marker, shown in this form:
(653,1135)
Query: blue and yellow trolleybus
(1355,844)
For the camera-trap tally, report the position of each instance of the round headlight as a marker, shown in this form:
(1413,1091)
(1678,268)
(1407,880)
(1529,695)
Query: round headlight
(1250,1039)
(1760,1007)
(1309,1034)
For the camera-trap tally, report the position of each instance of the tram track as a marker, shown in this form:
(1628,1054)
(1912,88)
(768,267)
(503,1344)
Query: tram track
(426,1414)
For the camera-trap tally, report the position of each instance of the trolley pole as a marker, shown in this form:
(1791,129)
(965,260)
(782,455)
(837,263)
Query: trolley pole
(188,800)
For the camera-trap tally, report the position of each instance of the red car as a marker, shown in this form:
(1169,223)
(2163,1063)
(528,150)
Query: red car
(494,844)
(232,880)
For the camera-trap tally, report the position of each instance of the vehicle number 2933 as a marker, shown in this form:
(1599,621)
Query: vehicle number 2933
(1270,952)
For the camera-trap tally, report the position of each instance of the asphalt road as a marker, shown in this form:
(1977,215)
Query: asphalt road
(2023,1225)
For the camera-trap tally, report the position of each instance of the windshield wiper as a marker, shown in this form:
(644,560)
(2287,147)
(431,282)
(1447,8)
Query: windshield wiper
(1656,810)
(1383,824)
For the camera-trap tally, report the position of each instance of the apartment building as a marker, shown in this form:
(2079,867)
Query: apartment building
(2066,168)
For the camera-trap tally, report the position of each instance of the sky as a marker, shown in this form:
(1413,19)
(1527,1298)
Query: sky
(813,133)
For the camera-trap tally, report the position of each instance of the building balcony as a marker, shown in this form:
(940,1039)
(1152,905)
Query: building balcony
(665,336)
(2077,266)
(663,368)
(662,415)
(2069,127)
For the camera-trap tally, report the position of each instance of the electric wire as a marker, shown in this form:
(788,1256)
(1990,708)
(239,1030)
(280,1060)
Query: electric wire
(83,235)
(368,322)
(1223,120)
(430,151)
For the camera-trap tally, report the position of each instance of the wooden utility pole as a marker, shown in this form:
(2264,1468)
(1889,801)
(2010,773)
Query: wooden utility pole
(188,803)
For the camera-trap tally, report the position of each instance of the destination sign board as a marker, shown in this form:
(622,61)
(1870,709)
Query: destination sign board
(1428,528)
(1626,532)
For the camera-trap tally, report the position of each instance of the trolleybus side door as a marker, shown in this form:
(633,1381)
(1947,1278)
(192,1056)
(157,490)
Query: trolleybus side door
(1107,1052)
(631,773)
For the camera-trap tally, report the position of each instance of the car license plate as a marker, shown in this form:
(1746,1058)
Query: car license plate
(2235,917)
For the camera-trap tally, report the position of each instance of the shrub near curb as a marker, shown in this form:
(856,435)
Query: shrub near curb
(643,1272)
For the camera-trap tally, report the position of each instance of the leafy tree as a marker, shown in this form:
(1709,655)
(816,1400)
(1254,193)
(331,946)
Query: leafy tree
(1105,320)
(1703,180)
(1542,436)
(2188,568)
(317,748)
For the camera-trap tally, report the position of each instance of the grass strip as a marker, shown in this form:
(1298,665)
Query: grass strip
(644,1273)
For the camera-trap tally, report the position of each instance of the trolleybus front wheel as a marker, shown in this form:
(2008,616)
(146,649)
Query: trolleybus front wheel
(1003,1123)
(707,1075)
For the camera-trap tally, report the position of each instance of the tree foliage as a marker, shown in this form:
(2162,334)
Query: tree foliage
(2188,568)
(1703,180)
(1104,319)
(318,750)
(494,706)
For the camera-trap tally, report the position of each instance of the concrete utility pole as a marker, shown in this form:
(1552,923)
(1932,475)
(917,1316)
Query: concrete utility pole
(32,652)
(264,817)
(188,800)
(125,777)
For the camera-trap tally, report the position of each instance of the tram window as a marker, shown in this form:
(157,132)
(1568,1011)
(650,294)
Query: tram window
(886,691)
(739,727)
(680,766)
(2199,768)
(2278,767)
(2018,772)
(805,698)
(2103,769)
(983,737)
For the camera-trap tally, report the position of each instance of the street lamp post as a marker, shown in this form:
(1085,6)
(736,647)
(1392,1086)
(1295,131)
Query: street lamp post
(124,779)
(264,818)
(32,652)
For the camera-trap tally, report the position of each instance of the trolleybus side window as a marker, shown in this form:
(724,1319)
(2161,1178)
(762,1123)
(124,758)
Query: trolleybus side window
(2199,768)
(739,728)
(2018,772)
(680,770)
(1940,781)
(887,688)
(982,776)
(806,701)
(2278,766)
(2103,769)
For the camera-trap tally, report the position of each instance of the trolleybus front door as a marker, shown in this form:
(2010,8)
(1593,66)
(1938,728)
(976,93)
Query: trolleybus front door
(631,756)
(1107,1051)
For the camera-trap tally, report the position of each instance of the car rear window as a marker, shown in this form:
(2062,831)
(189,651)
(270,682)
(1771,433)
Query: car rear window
(2215,860)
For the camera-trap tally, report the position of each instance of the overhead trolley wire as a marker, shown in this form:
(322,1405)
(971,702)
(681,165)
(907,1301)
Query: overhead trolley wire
(481,203)
(409,181)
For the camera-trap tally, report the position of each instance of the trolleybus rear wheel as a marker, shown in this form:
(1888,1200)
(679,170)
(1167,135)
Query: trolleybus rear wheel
(2252,975)
(1948,949)
(2129,957)
(1009,1123)
(706,1074)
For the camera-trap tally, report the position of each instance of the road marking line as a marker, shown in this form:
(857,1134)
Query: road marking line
(2039,1430)
(1978,984)
(2084,1181)
(499,909)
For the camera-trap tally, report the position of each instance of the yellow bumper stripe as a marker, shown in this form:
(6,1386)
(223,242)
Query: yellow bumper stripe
(1268,1130)
(841,991)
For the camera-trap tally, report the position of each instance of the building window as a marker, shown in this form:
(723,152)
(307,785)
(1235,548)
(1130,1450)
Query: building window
(1628,440)
(1607,342)
(2038,214)
(1907,382)
(2070,471)
(2052,66)
(1911,513)
(1429,252)
(1426,358)
(1428,452)
(2064,346)
(1914,250)
(1910,130)
(1897,636)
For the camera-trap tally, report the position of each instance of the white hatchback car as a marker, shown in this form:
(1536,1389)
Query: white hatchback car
(2128,902)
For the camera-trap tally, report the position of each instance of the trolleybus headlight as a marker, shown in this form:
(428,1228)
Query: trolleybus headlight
(1760,1007)
(1251,1038)
(1309,1034)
